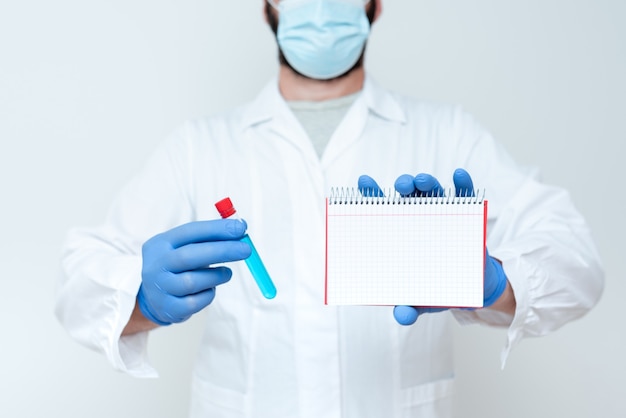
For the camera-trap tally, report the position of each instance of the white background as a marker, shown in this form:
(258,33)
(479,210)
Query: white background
(88,88)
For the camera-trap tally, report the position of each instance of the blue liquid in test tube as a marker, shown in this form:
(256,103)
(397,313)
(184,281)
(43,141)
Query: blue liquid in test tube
(254,263)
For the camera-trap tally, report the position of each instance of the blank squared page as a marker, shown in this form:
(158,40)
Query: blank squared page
(425,251)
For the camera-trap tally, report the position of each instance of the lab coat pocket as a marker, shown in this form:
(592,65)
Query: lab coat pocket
(433,399)
(210,400)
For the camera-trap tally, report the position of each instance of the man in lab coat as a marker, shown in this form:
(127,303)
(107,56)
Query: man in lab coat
(161,255)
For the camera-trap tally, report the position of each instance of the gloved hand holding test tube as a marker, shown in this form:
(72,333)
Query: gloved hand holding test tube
(255,265)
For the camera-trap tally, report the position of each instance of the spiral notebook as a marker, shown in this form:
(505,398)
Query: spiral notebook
(393,250)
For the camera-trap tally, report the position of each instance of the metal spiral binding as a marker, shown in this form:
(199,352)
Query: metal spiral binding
(353,196)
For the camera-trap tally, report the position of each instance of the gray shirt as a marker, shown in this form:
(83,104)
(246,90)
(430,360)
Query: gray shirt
(320,119)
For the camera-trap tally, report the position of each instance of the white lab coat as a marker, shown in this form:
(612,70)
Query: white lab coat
(293,356)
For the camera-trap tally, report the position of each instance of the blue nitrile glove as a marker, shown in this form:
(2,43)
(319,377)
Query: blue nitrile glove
(177,280)
(427,185)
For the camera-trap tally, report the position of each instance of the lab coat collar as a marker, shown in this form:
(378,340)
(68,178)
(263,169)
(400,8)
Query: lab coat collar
(265,106)
(381,102)
(270,103)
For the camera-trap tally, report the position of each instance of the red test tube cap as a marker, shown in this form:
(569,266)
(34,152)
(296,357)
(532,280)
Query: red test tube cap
(225,207)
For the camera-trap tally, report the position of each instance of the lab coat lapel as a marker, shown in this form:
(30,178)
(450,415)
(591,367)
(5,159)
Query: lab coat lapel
(373,101)
(316,337)
(270,108)
(347,133)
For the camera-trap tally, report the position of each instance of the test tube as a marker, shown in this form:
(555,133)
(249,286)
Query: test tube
(255,265)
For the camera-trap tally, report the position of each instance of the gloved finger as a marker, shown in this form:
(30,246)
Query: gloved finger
(404,185)
(463,183)
(191,282)
(407,315)
(203,231)
(197,256)
(427,185)
(368,187)
(495,280)
(181,309)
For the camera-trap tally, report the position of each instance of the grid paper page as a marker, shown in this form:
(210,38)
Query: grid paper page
(419,254)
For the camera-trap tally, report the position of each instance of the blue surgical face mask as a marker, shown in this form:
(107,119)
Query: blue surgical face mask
(322,39)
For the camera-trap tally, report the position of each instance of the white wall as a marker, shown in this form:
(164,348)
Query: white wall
(87,89)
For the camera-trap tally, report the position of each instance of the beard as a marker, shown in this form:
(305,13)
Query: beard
(272,19)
